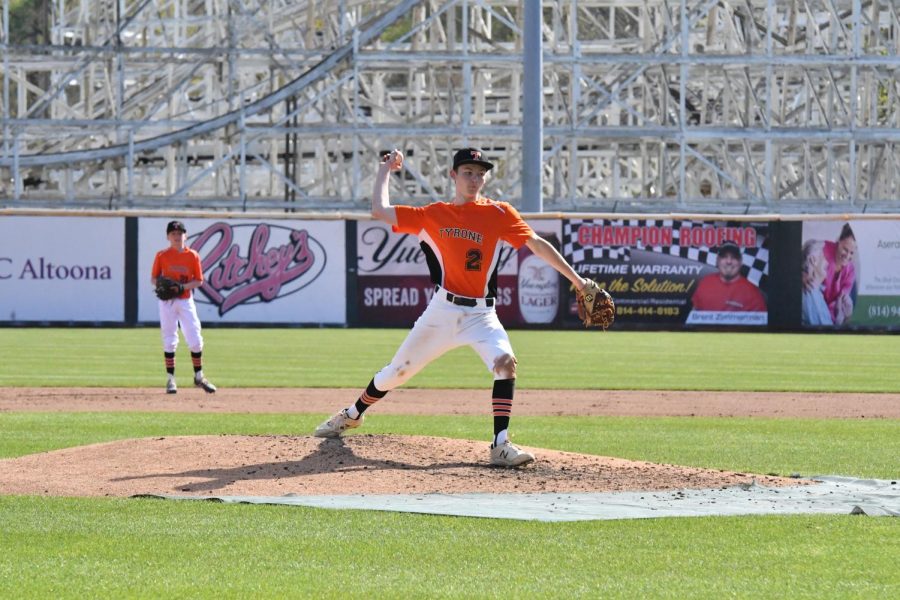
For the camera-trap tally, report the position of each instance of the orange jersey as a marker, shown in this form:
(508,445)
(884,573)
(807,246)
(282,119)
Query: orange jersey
(181,265)
(462,242)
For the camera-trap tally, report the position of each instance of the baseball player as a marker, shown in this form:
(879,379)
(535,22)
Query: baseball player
(461,240)
(182,265)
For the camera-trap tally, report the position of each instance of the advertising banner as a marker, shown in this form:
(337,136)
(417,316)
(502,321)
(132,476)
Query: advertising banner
(850,274)
(538,288)
(256,270)
(394,284)
(669,271)
(62,269)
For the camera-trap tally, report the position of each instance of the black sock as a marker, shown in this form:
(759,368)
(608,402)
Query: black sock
(502,398)
(170,362)
(369,397)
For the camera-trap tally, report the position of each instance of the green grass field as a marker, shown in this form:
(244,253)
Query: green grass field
(554,360)
(129,548)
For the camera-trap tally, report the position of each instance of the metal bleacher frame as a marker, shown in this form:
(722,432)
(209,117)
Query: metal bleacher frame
(649,106)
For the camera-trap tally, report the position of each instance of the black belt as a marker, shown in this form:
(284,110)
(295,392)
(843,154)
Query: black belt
(463,301)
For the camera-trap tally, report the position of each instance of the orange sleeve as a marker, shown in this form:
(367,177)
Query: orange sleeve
(198,267)
(517,231)
(410,219)
(156,271)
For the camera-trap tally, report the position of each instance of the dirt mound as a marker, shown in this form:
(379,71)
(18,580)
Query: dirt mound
(233,465)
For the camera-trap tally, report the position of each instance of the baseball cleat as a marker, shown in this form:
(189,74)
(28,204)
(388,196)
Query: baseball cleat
(337,425)
(202,382)
(508,455)
(171,386)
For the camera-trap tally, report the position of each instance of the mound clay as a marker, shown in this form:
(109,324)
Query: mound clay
(232,465)
(365,463)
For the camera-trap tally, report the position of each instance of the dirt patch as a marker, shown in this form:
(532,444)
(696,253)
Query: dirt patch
(233,465)
(460,402)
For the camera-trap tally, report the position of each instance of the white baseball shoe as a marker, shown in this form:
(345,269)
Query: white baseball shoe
(202,382)
(509,455)
(171,386)
(337,425)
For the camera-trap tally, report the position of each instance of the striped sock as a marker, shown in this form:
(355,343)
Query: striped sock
(501,402)
(367,399)
(170,362)
(197,359)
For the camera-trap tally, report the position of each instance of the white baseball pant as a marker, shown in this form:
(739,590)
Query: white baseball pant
(180,311)
(441,328)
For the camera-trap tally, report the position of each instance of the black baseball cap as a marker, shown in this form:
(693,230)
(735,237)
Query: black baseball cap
(470,156)
(175,226)
(729,247)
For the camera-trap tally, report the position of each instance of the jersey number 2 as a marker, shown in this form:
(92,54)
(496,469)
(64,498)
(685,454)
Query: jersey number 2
(473,260)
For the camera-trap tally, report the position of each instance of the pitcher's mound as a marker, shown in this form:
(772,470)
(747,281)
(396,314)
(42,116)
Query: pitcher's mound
(236,465)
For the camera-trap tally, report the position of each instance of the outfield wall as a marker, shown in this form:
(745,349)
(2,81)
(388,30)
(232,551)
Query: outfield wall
(339,270)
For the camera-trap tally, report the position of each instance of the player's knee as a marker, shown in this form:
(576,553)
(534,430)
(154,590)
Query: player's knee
(392,376)
(505,366)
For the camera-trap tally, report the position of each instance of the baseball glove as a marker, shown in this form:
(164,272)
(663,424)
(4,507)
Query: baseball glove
(166,288)
(595,306)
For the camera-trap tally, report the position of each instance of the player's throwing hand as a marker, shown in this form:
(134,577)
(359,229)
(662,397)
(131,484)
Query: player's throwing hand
(393,160)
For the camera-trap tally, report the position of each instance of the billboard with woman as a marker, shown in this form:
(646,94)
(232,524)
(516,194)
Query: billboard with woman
(850,274)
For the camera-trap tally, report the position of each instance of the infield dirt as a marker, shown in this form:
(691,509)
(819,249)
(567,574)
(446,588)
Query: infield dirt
(275,465)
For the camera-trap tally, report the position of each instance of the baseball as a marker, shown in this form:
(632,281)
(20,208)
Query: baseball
(394,159)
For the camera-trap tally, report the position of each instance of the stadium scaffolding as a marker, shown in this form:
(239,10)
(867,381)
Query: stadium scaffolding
(724,106)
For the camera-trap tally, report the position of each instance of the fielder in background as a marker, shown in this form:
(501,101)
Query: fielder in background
(461,240)
(176,273)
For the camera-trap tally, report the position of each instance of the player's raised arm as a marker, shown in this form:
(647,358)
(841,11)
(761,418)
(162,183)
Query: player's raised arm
(381,200)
